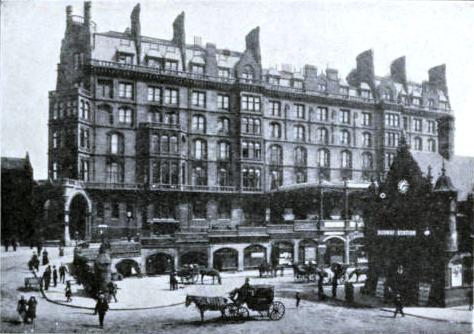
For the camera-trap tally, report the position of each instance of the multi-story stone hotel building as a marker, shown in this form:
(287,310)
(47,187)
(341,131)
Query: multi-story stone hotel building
(212,158)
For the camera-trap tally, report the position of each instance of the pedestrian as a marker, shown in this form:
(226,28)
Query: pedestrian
(22,308)
(31,312)
(297,299)
(334,285)
(55,276)
(173,281)
(6,244)
(36,262)
(61,250)
(45,257)
(39,247)
(14,244)
(68,292)
(62,273)
(101,307)
(398,305)
(112,291)
(47,278)
(321,294)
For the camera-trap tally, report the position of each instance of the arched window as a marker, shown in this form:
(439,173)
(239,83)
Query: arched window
(276,130)
(82,109)
(199,176)
(245,125)
(223,125)
(346,159)
(323,157)
(299,132)
(247,74)
(300,156)
(200,149)
(174,144)
(367,139)
(87,111)
(418,144)
(125,115)
(431,145)
(323,137)
(199,123)
(367,160)
(55,139)
(223,152)
(276,155)
(115,143)
(222,177)
(256,126)
(164,144)
(345,137)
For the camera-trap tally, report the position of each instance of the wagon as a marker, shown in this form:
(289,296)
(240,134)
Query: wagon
(32,283)
(188,274)
(258,298)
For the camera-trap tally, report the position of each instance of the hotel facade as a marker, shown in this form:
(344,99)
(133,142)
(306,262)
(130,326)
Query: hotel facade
(205,156)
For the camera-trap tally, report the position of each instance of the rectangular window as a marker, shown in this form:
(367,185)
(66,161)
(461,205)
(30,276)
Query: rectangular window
(154,94)
(104,88)
(392,139)
(171,65)
(199,99)
(223,102)
(431,127)
(300,111)
(322,114)
(55,170)
(171,96)
(275,108)
(115,210)
(366,119)
(298,84)
(365,93)
(418,124)
(392,120)
(197,69)
(125,58)
(224,72)
(84,172)
(345,116)
(250,103)
(274,80)
(126,90)
(405,123)
(389,160)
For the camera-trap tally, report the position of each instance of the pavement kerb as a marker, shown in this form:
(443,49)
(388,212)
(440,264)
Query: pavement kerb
(430,318)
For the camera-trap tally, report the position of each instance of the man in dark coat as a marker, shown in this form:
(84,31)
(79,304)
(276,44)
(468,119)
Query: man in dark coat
(321,294)
(55,276)
(6,243)
(334,284)
(31,312)
(47,277)
(101,307)
(62,273)
(14,244)
(45,257)
(22,308)
(398,305)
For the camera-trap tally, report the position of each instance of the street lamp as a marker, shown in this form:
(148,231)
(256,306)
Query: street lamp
(129,217)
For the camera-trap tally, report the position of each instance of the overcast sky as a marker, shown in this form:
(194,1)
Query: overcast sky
(322,33)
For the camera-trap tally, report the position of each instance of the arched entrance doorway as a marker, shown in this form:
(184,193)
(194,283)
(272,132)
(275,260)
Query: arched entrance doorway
(128,268)
(159,263)
(334,251)
(282,253)
(254,256)
(226,259)
(194,257)
(308,251)
(78,215)
(357,252)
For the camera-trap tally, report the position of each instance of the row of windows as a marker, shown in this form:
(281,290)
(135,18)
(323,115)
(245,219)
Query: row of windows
(69,108)
(199,124)
(393,120)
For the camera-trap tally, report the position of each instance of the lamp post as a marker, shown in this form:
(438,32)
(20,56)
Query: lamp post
(129,217)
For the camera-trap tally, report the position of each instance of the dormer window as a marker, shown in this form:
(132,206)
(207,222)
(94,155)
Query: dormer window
(344,91)
(125,58)
(154,62)
(298,84)
(274,80)
(365,93)
(224,72)
(171,65)
(197,69)
(387,96)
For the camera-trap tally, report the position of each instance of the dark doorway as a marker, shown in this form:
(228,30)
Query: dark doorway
(77,218)
(159,263)
(128,268)
(199,258)
(226,259)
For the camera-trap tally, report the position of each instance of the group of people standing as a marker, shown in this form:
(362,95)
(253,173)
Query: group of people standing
(7,243)
(27,309)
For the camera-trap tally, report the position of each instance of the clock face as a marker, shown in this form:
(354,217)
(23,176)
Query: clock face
(403,186)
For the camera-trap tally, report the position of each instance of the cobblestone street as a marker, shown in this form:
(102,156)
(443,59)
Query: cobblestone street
(331,317)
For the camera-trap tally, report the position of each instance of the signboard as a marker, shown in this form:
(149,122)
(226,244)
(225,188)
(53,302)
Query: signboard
(257,255)
(423,293)
(456,275)
(309,253)
(380,291)
(396,233)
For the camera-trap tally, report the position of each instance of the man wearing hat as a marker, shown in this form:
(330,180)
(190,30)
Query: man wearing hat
(101,307)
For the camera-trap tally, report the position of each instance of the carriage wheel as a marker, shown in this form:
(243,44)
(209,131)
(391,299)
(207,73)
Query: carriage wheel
(276,310)
(231,311)
(243,312)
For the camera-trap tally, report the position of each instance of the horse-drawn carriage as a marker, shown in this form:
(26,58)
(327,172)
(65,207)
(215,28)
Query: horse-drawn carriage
(258,298)
(189,274)
(265,269)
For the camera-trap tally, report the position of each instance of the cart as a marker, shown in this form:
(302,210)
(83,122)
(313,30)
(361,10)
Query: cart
(32,283)
(258,298)
(188,274)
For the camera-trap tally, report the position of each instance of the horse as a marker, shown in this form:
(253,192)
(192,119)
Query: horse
(359,272)
(207,304)
(265,269)
(188,273)
(210,272)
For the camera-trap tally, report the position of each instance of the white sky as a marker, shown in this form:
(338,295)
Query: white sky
(323,33)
